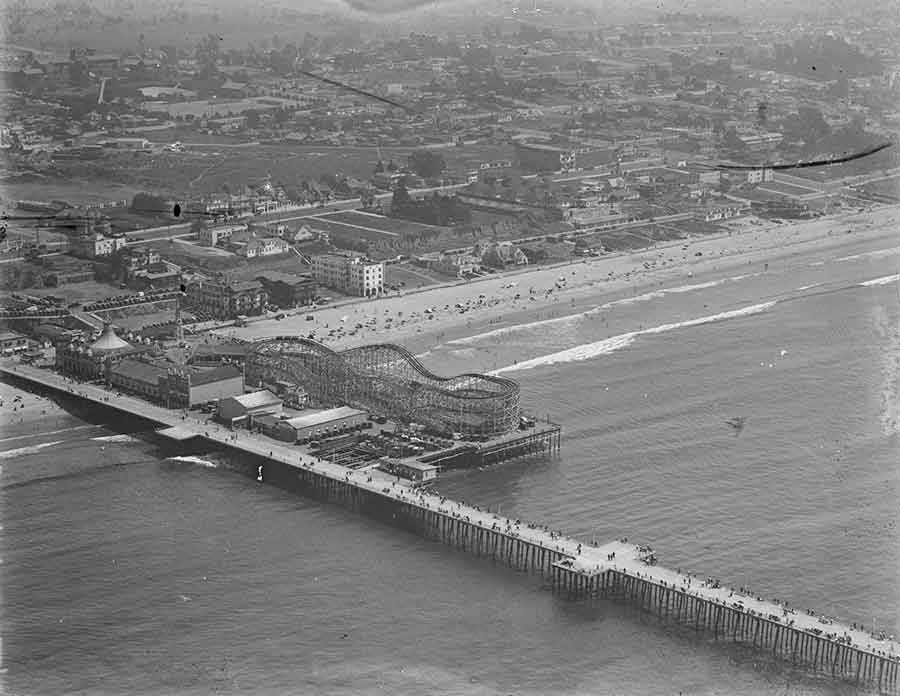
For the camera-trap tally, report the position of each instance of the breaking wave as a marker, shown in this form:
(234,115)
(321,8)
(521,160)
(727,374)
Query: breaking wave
(31,449)
(114,438)
(608,345)
(644,297)
(867,254)
(198,461)
(884,280)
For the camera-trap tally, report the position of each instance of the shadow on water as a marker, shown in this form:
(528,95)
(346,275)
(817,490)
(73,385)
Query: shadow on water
(70,474)
(609,613)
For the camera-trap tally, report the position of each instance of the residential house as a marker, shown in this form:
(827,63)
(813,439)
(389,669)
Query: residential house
(212,235)
(103,64)
(718,211)
(253,246)
(502,254)
(12,342)
(95,245)
(142,268)
(455,264)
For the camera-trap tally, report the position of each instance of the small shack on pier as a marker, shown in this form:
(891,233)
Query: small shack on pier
(240,411)
(412,470)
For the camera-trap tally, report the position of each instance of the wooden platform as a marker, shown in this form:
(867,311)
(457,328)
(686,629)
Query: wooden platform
(178,433)
(617,566)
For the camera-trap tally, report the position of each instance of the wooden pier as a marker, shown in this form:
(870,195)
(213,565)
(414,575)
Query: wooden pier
(577,570)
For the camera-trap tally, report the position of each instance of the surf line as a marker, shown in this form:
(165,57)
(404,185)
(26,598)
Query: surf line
(608,345)
(884,280)
(52,432)
(22,451)
(651,295)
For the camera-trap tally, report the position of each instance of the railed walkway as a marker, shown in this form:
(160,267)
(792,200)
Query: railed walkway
(617,568)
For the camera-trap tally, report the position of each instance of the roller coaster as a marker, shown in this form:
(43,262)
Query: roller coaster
(387,379)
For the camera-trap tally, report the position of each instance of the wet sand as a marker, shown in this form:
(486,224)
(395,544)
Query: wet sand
(28,414)
(555,290)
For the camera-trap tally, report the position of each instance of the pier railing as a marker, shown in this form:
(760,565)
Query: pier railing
(575,569)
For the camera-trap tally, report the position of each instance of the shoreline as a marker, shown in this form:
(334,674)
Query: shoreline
(492,302)
(22,413)
(573,565)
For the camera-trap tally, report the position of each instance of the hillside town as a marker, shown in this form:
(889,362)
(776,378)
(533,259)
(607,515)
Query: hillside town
(222,183)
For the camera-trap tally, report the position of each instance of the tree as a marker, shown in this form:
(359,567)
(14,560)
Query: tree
(15,16)
(379,167)
(252,118)
(401,195)
(207,53)
(170,54)
(732,141)
(391,166)
(330,180)
(813,120)
(427,164)
(282,115)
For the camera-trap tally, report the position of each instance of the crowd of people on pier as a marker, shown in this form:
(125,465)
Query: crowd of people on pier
(543,536)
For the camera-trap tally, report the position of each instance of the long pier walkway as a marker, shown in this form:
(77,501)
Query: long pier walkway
(577,569)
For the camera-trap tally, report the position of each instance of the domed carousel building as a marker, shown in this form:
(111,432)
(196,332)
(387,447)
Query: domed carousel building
(89,360)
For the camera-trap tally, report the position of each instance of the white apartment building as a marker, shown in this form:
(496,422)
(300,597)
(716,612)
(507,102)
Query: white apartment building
(349,274)
(759,176)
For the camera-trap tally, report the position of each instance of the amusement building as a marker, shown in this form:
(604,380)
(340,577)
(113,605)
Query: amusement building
(389,380)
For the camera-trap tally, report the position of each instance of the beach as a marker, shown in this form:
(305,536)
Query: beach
(23,412)
(419,319)
(184,576)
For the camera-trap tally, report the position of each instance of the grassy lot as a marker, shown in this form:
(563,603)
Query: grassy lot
(284,263)
(193,256)
(236,267)
(885,187)
(386,224)
(87,291)
(787,189)
(75,190)
(206,170)
(351,232)
(413,276)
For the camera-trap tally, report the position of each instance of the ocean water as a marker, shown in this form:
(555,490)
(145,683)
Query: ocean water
(127,572)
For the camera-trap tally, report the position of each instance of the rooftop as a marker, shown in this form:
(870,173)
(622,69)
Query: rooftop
(289,278)
(141,371)
(215,374)
(258,398)
(331,414)
(108,341)
(234,349)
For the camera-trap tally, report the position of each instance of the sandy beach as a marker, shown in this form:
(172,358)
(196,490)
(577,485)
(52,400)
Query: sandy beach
(447,312)
(26,413)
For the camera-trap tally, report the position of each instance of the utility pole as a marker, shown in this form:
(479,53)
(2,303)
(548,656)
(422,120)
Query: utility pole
(179,328)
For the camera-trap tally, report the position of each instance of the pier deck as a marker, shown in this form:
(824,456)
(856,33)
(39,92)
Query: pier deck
(581,568)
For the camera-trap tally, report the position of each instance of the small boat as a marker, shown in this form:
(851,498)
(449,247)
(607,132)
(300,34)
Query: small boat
(737,422)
